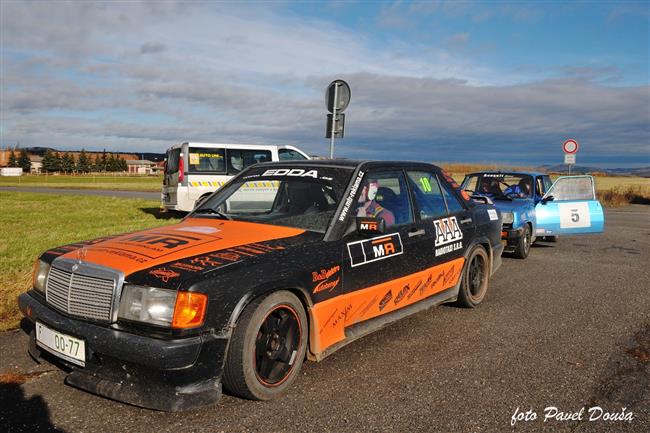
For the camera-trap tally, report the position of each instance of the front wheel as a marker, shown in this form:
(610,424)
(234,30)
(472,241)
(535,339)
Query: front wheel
(523,244)
(474,282)
(267,347)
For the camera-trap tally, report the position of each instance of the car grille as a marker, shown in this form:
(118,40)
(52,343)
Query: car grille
(80,295)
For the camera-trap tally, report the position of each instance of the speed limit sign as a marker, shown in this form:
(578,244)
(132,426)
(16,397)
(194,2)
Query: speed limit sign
(570,146)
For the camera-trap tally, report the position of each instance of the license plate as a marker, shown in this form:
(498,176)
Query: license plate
(64,346)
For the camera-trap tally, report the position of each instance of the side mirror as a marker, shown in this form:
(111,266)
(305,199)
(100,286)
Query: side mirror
(547,199)
(371,226)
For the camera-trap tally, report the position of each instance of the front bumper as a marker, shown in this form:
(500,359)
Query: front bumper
(161,374)
(511,236)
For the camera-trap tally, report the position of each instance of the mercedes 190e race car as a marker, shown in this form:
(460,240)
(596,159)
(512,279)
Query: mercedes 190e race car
(286,261)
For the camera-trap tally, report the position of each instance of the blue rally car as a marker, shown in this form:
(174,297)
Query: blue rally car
(534,208)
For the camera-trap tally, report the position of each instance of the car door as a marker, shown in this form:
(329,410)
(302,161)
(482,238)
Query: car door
(570,207)
(368,261)
(448,228)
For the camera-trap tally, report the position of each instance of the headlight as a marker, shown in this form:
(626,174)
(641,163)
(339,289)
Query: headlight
(162,307)
(508,217)
(147,304)
(41,269)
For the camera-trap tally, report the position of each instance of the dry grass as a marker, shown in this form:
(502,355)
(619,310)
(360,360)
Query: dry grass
(624,195)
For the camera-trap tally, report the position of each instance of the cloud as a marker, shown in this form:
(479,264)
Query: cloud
(152,48)
(246,75)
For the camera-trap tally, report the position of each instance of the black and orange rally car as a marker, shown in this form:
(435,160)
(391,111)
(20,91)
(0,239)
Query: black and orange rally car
(286,261)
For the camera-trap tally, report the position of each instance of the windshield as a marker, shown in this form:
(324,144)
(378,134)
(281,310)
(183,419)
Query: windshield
(499,186)
(300,197)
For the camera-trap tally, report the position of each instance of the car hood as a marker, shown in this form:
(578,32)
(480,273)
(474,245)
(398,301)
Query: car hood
(511,206)
(192,237)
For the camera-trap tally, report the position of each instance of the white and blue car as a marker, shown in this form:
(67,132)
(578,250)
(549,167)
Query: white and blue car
(535,208)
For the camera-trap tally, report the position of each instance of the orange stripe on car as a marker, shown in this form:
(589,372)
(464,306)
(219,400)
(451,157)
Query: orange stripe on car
(330,317)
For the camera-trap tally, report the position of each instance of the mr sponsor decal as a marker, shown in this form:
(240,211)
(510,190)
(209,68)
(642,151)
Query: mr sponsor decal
(374,249)
(326,279)
(448,236)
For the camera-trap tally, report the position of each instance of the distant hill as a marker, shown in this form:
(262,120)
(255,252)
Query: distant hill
(585,169)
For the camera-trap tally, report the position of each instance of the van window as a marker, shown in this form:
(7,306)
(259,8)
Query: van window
(290,155)
(206,160)
(239,159)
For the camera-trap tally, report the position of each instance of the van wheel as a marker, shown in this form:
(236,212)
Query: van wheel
(523,245)
(267,347)
(474,282)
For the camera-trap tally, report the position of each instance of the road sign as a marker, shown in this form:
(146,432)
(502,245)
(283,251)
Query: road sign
(338,124)
(337,98)
(570,147)
(570,158)
(338,91)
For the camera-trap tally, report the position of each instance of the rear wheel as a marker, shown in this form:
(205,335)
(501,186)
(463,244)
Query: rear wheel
(267,347)
(523,245)
(474,282)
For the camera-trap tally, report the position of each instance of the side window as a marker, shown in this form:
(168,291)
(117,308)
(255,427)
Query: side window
(427,195)
(239,159)
(385,195)
(206,160)
(290,155)
(547,183)
(453,205)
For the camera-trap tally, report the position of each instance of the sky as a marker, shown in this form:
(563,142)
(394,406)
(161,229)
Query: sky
(445,81)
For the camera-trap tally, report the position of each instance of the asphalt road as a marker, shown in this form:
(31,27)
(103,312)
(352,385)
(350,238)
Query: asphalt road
(568,327)
(99,192)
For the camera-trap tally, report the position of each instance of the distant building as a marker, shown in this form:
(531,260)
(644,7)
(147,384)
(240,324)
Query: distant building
(140,166)
(36,164)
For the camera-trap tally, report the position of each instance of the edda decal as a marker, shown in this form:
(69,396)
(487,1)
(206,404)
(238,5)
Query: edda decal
(296,172)
(327,279)
(449,234)
(378,248)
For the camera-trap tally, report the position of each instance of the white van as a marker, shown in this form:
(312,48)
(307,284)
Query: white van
(195,170)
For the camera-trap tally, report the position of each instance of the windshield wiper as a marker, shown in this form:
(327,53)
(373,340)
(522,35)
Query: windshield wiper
(210,211)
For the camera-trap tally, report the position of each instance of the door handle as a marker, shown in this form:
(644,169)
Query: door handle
(415,233)
(466,221)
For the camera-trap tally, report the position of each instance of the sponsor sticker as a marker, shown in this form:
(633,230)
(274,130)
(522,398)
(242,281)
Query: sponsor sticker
(326,279)
(296,172)
(493,214)
(374,249)
(448,236)
(165,274)
(350,199)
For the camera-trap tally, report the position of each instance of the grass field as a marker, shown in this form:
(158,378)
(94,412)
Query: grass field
(116,182)
(31,223)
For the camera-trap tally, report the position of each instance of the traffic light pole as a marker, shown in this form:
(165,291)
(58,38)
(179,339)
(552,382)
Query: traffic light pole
(336,101)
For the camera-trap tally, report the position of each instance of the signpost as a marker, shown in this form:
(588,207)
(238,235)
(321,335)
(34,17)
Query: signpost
(570,148)
(337,98)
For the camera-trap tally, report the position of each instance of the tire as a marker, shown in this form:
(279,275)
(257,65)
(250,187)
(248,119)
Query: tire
(267,347)
(523,244)
(474,282)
